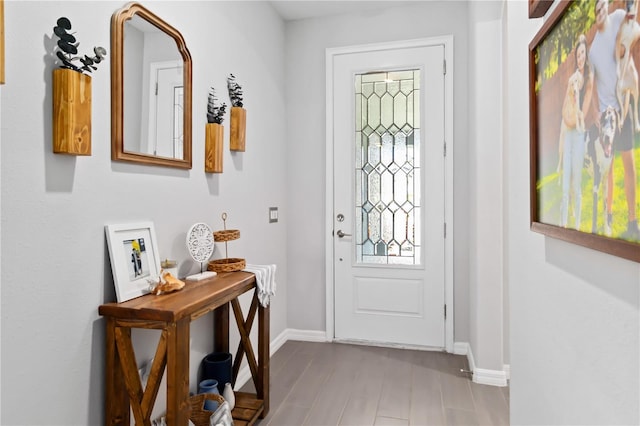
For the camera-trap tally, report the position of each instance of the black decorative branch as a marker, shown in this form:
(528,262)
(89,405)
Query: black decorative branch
(69,47)
(235,91)
(215,113)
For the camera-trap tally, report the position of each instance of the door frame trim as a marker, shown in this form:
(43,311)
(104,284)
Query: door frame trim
(331,53)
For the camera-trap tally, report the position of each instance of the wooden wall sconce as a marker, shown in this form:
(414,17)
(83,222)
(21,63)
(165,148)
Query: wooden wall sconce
(213,148)
(71,112)
(238,129)
(72,93)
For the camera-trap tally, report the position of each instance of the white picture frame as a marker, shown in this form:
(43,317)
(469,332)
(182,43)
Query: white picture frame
(133,250)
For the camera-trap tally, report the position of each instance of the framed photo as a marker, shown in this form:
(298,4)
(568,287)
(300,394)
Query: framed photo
(584,130)
(133,250)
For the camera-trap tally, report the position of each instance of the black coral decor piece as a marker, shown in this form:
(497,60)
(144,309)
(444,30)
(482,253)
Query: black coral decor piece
(68,48)
(235,91)
(215,112)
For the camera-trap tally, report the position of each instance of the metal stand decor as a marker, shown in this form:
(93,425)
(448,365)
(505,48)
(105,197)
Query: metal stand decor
(228,264)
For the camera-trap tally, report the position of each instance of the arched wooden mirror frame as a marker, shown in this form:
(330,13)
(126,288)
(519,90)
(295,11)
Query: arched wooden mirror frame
(118,152)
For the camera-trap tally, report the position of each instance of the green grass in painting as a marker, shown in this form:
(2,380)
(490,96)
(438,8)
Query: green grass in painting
(550,198)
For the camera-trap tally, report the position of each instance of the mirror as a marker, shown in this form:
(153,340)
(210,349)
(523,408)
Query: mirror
(150,90)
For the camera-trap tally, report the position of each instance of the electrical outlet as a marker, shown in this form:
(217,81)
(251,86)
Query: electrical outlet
(273,214)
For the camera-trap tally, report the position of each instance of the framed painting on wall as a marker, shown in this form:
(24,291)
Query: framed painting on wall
(537,8)
(133,250)
(584,127)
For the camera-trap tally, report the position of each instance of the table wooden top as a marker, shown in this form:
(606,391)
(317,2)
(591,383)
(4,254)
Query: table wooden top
(195,299)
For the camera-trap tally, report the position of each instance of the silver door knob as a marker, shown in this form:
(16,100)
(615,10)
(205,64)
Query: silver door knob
(342,234)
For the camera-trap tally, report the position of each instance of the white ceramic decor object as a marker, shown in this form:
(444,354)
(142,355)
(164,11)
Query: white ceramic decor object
(200,245)
(229,396)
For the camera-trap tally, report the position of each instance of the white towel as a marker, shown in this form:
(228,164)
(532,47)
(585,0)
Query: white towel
(265,280)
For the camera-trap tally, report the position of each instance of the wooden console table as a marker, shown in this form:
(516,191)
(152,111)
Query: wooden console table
(172,314)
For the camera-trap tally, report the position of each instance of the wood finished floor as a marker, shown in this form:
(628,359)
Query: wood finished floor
(339,384)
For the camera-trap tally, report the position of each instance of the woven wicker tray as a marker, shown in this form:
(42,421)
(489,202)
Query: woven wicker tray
(229,264)
(226,235)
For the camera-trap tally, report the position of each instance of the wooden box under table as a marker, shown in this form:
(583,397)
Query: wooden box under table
(172,314)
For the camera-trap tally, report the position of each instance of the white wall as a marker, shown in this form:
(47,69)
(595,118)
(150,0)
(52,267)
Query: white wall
(486,190)
(575,324)
(306,41)
(55,264)
(506,311)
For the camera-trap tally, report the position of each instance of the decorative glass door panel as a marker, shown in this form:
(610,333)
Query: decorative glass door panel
(387,168)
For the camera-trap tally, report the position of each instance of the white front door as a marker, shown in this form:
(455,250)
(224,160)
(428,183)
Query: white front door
(388,135)
(166,109)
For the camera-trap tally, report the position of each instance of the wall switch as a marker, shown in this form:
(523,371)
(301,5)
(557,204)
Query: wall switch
(273,214)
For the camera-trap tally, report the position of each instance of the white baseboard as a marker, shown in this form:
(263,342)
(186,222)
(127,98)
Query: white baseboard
(507,370)
(277,343)
(306,335)
(490,377)
(472,361)
(460,348)
(481,375)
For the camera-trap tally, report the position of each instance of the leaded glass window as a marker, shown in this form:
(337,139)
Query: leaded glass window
(387,167)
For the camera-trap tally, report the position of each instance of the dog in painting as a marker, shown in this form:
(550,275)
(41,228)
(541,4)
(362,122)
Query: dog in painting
(571,107)
(599,154)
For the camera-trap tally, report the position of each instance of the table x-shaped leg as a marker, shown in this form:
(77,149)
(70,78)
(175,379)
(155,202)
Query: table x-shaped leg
(244,327)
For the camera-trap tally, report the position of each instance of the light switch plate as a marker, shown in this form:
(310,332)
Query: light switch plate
(273,214)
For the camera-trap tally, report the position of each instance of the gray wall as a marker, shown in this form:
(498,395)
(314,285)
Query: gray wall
(485,188)
(574,313)
(55,263)
(306,41)
(575,325)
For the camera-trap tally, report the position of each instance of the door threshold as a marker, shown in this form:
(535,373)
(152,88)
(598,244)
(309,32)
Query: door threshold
(362,342)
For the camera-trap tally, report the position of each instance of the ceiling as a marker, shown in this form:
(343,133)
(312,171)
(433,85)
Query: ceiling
(302,9)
